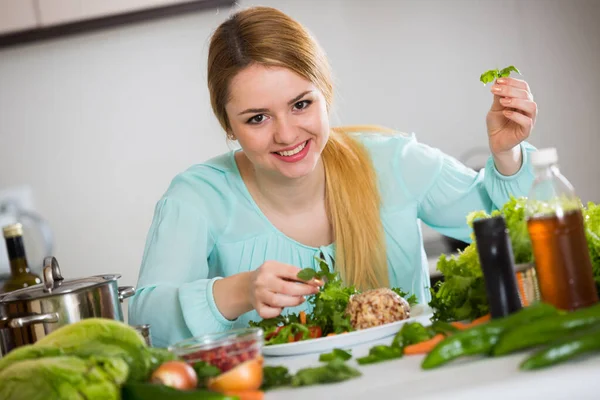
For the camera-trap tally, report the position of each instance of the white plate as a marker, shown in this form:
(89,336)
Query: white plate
(419,313)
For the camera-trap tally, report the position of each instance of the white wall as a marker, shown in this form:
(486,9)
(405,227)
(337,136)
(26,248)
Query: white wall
(98,124)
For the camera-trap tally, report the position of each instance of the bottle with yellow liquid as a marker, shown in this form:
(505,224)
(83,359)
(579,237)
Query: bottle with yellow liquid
(555,225)
(21,276)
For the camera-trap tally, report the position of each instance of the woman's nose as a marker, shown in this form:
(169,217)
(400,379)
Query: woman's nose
(285,132)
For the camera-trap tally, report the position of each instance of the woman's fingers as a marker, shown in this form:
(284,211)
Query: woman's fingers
(278,300)
(528,107)
(521,119)
(287,272)
(512,92)
(292,288)
(266,312)
(517,83)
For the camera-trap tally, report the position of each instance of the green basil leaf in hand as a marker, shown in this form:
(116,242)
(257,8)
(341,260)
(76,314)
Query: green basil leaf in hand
(307,274)
(506,71)
(489,76)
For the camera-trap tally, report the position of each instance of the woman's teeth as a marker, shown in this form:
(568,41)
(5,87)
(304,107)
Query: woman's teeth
(293,151)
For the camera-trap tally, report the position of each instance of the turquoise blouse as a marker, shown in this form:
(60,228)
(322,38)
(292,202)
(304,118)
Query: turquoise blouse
(207,226)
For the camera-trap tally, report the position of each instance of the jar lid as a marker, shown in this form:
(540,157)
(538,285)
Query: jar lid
(54,284)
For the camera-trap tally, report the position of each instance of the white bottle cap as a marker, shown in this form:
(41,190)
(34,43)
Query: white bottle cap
(544,157)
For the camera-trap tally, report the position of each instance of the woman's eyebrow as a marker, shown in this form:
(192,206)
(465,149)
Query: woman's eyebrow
(263,110)
(301,95)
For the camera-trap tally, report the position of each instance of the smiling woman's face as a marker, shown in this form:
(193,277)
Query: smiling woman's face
(280,120)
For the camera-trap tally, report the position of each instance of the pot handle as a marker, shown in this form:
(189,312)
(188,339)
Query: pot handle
(21,322)
(125,292)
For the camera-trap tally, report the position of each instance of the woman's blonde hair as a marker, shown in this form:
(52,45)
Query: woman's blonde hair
(269,37)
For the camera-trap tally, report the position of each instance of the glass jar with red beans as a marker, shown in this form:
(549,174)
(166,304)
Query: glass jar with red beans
(224,350)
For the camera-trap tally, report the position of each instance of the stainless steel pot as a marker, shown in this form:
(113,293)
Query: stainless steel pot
(29,314)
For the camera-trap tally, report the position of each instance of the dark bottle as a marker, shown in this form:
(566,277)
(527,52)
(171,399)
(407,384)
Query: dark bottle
(497,264)
(21,276)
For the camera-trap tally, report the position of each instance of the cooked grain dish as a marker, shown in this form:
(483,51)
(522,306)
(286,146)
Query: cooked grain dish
(376,307)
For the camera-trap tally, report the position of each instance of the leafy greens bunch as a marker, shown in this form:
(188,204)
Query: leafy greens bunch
(462,295)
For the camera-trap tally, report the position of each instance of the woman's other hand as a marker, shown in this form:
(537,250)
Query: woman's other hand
(509,122)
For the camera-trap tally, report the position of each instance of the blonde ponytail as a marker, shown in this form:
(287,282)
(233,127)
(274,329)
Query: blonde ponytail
(353,204)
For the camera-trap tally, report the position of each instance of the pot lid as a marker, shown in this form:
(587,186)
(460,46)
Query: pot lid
(54,284)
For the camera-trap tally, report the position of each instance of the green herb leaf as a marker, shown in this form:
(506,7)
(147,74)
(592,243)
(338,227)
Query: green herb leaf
(410,299)
(307,274)
(411,333)
(204,371)
(336,353)
(333,371)
(489,76)
(380,353)
(493,74)
(275,376)
(445,328)
(506,71)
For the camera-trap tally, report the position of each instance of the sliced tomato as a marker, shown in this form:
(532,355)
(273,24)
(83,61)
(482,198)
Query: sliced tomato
(274,333)
(315,332)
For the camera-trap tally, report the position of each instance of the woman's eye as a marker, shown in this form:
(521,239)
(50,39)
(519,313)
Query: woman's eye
(257,119)
(302,104)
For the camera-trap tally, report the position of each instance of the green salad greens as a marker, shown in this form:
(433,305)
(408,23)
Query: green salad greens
(328,315)
(462,295)
(493,74)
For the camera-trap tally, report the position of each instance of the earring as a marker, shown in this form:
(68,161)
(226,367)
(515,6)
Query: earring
(230,136)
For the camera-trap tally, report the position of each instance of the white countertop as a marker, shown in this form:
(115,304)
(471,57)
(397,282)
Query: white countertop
(474,378)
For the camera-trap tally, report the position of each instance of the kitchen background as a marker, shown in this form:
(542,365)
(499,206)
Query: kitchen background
(94,126)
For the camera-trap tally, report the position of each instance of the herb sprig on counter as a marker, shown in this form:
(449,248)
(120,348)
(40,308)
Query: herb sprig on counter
(334,370)
(411,333)
(335,353)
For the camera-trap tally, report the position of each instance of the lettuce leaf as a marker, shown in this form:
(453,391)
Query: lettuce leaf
(592,233)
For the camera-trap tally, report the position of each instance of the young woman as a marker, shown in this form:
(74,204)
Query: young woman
(230,235)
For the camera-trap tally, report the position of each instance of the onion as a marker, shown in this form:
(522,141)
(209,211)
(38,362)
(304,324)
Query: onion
(245,376)
(176,374)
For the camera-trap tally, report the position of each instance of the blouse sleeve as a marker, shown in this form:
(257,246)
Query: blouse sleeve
(174,293)
(447,191)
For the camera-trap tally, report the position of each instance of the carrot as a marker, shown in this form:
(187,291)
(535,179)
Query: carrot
(246,394)
(459,325)
(462,325)
(331,334)
(480,320)
(302,317)
(423,347)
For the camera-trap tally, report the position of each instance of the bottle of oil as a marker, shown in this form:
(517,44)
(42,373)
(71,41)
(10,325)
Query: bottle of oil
(21,276)
(555,224)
